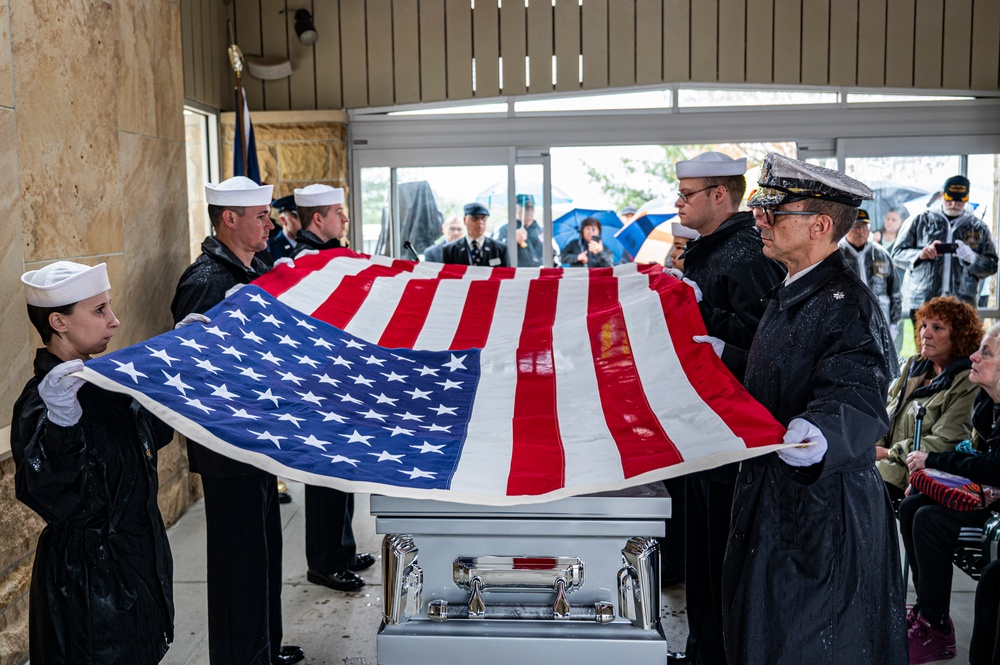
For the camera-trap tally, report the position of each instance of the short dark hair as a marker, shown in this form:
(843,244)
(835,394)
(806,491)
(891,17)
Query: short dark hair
(843,215)
(590,221)
(215,213)
(306,214)
(736,185)
(39,317)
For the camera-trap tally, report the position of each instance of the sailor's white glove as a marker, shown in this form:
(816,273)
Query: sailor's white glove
(193,317)
(717,344)
(964,252)
(285,261)
(894,330)
(690,282)
(306,252)
(233,289)
(58,390)
(803,431)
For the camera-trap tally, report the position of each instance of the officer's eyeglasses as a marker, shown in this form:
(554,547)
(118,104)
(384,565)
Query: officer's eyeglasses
(685,196)
(770,214)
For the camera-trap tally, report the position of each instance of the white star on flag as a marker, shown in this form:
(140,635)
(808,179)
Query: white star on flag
(237,314)
(417,473)
(340,458)
(386,456)
(163,355)
(267,436)
(429,448)
(175,381)
(129,368)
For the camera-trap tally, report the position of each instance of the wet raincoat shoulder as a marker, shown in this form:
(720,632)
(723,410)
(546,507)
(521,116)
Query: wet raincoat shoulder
(812,568)
(925,279)
(101,589)
(948,399)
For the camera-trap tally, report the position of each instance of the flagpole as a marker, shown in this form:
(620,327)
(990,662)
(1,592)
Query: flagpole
(236,60)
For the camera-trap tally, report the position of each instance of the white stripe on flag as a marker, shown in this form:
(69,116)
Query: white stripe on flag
(313,290)
(694,428)
(444,315)
(590,450)
(490,439)
(371,319)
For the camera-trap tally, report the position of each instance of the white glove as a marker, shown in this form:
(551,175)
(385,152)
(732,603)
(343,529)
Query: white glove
(894,330)
(193,317)
(306,252)
(285,261)
(717,344)
(803,431)
(964,252)
(694,285)
(233,289)
(58,390)
(674,272)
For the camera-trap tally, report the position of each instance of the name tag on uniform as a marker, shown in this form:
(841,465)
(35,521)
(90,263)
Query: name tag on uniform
(495,262)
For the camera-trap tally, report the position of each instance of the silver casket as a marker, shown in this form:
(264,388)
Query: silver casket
(573,580)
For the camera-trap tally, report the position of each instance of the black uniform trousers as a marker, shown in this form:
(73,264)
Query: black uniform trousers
(986,625)
(709,508)
(243,528)
(330,546)
(930,532)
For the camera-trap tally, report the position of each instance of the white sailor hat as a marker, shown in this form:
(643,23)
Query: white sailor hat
(711,164)
(238,192)
(680,231)
(314,196)
(784,180)
(64,283)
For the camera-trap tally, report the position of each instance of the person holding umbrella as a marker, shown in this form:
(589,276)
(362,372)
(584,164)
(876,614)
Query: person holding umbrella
(587,251)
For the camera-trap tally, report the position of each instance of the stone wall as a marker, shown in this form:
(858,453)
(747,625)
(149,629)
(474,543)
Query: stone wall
(294,148)
(92,152)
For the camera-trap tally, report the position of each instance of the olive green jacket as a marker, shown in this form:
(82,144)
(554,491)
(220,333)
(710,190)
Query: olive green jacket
(948,400)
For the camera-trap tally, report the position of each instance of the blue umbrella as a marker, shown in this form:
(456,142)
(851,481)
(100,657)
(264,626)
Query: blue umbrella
(634,235)
(567,227)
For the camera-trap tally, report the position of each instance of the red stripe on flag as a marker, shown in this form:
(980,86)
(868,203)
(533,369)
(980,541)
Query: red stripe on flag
(477,315)
(281,278)
(411,313)
(345,301)
(537,459)
(721,392)
(641,441)
(453,271)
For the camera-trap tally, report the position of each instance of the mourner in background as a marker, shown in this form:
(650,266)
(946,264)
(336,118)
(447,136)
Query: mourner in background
(732,273)
(283,244)
(528,235)
(243,525)
(874,266)
(451,230)
(812,570)
(85,461)
(331,551)
(475,249)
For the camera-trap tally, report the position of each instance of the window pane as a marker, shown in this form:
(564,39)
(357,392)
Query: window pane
(689,97)
(648,99)
(906,182)
(853,97)
(984,174)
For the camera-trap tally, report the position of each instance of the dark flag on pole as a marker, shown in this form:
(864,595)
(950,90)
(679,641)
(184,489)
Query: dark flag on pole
(244,143)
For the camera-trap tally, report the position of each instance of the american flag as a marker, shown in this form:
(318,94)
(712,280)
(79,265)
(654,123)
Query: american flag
(483,385)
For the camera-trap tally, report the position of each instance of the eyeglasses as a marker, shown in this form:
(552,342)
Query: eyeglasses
(771,213)
(684,197)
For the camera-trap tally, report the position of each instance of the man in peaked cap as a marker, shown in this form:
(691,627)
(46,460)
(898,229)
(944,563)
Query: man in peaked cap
(874,265)
(727,264)
(332,558)
(812,570)
(475,249)
(243,525)
(967,254)
(282,245)
(323,217)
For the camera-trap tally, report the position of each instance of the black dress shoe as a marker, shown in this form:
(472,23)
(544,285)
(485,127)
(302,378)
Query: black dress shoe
(344,580)
(288,654)
(362,561)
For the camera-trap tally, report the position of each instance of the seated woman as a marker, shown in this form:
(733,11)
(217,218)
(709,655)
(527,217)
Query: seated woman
(937,378)
(930,531)
(587,251)
(85,461)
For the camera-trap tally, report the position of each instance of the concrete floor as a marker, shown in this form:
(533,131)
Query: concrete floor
(340,628)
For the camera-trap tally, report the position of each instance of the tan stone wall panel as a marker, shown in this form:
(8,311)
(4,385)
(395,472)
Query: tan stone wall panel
(154,206)
(19,524)
(76,176)
(6,82)
(303,161)
(14,632)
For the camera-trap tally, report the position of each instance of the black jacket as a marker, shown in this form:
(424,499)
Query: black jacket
(531,255)
(812,569)
(983,468)
(734,276)
(576,246)
(203,286)
(101,583)
(279,246)
(308,240)
(458,252)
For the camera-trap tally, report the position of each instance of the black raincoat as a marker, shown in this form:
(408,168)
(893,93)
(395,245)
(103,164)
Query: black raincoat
(101,584)
(812,572)
(309,240)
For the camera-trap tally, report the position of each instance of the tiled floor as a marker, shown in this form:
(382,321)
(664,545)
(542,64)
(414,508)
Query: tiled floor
(339,628)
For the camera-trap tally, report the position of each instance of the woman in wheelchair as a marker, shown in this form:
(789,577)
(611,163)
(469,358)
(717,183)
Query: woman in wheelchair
(937,378)
(930,531)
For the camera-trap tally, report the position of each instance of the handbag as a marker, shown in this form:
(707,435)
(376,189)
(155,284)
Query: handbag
(954,492)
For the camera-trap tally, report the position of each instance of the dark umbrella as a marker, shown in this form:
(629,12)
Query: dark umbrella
(889,195)
(420,218)
(567,227)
